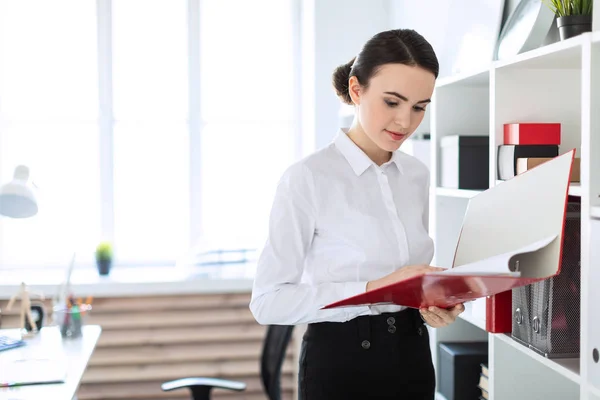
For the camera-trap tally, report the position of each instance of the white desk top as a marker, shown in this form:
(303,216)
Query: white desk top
(48,344)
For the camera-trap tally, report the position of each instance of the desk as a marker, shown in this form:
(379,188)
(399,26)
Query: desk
(49,344)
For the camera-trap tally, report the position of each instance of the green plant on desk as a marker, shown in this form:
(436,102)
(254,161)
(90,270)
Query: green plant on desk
(573,16)
(104,257)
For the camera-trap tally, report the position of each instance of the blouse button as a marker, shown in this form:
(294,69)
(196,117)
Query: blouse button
(391,320)
(365,344)
(392,328)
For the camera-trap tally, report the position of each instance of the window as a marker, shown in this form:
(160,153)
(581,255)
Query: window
(202,121)
(48,121)
(247,115)
(151,167)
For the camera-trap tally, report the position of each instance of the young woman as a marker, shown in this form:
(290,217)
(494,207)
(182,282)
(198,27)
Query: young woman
(353,217)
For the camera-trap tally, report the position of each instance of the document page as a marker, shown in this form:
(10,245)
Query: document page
(498,265)
(32,371)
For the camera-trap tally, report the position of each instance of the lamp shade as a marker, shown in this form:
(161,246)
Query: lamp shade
(17,197)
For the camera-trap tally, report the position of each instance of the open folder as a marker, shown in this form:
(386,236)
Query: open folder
(511,236)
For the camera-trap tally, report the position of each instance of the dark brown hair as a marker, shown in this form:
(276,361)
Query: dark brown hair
(397,46)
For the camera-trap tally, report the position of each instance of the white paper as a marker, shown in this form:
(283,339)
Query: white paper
(498,265)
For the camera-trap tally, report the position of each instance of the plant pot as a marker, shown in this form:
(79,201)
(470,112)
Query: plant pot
(573,25)
(103,266)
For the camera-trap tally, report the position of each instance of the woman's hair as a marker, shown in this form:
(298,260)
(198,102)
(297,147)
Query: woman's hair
(398,46)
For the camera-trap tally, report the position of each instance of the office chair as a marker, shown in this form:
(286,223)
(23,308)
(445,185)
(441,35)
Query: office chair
(273,353)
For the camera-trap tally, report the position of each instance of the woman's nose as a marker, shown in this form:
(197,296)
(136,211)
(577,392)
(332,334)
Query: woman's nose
(403,118)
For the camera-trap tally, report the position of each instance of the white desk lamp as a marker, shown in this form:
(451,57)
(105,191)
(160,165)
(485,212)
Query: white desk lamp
(17,197)
(18,200)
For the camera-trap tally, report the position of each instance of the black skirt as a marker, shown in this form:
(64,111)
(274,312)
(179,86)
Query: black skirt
(384,356)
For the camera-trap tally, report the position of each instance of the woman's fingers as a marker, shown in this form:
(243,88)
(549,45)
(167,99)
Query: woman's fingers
(438,317)
(457,309)
(432,318)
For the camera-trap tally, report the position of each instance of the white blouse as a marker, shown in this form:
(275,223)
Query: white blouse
(339,220)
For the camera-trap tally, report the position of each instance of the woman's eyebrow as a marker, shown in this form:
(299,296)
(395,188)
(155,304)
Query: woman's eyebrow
(398,95)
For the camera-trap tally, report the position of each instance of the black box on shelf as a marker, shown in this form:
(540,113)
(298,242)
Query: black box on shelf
(546,314)
(465,162)
(509,153)
(460,369)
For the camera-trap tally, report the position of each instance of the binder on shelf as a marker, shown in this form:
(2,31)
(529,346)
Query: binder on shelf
(511,236)
(532,133)
(498,312)
(525,164)
(508,154)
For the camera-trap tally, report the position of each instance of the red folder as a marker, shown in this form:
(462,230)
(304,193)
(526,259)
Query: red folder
(511,236)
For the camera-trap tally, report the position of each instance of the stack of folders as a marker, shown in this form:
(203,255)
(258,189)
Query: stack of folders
(483,382)
(527,145)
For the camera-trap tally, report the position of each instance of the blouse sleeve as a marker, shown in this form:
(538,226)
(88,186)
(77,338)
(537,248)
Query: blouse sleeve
(278,296)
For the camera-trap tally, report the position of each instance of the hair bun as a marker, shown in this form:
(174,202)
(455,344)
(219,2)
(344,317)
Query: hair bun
(340,78)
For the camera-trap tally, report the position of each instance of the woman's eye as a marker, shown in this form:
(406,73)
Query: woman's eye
(391,103)
(420,109)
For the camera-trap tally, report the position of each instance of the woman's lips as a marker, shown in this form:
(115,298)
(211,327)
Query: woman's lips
(395,135)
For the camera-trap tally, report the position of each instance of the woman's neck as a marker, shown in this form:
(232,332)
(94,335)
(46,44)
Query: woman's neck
(374,152)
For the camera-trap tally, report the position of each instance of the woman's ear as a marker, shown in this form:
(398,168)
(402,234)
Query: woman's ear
(354,89)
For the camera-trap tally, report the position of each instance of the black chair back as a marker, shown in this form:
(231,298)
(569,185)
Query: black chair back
(273,354)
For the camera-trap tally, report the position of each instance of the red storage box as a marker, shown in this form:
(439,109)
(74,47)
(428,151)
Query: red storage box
(532,133)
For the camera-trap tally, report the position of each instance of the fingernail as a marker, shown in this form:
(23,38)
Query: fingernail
(431,308)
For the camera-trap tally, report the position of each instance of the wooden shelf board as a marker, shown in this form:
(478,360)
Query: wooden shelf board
(567,367)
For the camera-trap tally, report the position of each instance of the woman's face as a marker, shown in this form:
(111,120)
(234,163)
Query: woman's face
(393,105)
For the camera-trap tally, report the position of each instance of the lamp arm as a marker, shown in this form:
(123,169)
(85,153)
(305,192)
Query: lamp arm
(11,302)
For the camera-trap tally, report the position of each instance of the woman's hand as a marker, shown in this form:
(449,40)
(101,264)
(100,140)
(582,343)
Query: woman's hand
(438,317)
(401,274)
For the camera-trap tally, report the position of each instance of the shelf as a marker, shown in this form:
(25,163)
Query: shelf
(595,212)
(471,78)
(478,322)
(462,193)
(575,189)
(567,367)
(564,54)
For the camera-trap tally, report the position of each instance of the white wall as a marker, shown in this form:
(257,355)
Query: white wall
(336,31)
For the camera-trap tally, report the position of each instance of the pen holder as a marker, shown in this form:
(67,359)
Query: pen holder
(70,319)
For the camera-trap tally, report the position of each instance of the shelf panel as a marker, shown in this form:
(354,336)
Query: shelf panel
(462,193)
(564,54)
(575,189)
(567,367)
(478,322)
(471,78)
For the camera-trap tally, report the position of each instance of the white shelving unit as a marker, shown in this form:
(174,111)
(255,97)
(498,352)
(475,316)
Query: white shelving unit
(559,82)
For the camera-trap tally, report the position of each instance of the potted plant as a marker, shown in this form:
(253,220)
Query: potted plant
(104,257)
(573,17)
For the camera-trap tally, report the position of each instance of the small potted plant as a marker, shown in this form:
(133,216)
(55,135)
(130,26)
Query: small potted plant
(573,17)
(104,257)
